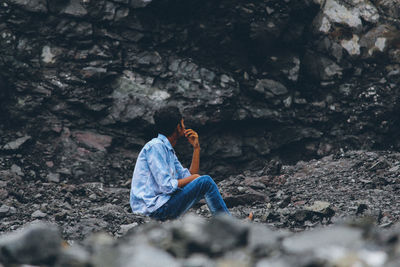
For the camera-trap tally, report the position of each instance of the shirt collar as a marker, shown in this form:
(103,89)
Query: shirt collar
(165,140)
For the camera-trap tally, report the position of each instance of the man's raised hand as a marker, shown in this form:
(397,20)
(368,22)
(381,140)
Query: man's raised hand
(192,137)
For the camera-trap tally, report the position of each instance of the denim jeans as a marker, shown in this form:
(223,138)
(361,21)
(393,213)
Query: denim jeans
(184,198)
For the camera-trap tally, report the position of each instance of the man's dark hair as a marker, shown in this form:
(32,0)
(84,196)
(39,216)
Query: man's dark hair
(166,120)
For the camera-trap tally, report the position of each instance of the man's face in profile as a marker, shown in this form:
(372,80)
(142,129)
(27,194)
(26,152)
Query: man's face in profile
(181,128)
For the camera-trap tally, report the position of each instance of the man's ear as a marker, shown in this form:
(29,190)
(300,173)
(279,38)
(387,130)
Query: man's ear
(178,128)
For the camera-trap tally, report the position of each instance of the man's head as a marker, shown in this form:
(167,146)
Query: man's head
(167,120)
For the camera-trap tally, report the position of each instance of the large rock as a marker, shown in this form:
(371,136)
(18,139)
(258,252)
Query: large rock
(322,68)
(74,8)
(270,88)
(137,97)
(379,39)
(39,6)
(334,236)
(222,234)
(16,144)
(333,11)
(36,244)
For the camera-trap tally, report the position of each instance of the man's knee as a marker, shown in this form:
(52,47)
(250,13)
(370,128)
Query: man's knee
(207,180)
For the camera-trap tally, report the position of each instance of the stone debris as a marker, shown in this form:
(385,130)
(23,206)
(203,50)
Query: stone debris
(192,241)
(16,144)
(38,214)
(35,244)
(295,197)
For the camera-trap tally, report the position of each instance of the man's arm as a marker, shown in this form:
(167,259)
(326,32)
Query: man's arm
(184,181)
(159,168)
(195,165)
(193,139)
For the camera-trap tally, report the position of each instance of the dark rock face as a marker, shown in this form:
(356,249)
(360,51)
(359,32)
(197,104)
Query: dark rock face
(286,79)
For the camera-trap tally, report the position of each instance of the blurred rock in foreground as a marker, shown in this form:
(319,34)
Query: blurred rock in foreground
(221,241)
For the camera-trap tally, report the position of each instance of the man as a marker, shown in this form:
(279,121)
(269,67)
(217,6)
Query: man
(161,188)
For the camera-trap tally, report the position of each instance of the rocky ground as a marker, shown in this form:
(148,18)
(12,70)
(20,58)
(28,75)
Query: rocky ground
(352,185)
(349,184)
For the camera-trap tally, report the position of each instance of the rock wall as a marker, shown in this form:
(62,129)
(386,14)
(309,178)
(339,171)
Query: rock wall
(80,80)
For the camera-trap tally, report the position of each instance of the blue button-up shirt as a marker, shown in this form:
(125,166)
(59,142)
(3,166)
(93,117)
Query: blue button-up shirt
(156,175)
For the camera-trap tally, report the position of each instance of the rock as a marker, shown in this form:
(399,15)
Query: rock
(133,97)
(17,170)
(352,46)
(221,235)
(198,260)
(36,244)
(300,216)
(53,177)
(121,14)
(315,213)
(16,144)
(334,12)
(149,59)
(226,147)
(74,8)
(321,207)
(38,214)
(39,6)
(361,208)
(3,194)
(93,140)
(6,211)
(378,39)
(93,72)
(333,236)
(75,256)
(47,56)
(322,68)
(60,216)
(273,263)
(73,29)
(91,225)
(145,255)
(126,227)
(292,71)
(394,169)
(262,241)
(271,217)
(381,163)
(270,88)
(140,3)
(273,167)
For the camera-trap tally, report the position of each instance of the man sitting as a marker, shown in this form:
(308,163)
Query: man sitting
(163,189)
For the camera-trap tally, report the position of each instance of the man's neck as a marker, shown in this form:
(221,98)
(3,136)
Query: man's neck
(172,139)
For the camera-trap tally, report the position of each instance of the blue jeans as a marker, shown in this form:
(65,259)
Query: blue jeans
(184,198)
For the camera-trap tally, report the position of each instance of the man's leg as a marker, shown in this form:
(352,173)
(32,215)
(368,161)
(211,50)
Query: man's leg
(183,199)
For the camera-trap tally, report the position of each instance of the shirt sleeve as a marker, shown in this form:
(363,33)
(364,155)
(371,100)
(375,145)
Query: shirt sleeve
(180,170)
(159,168)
